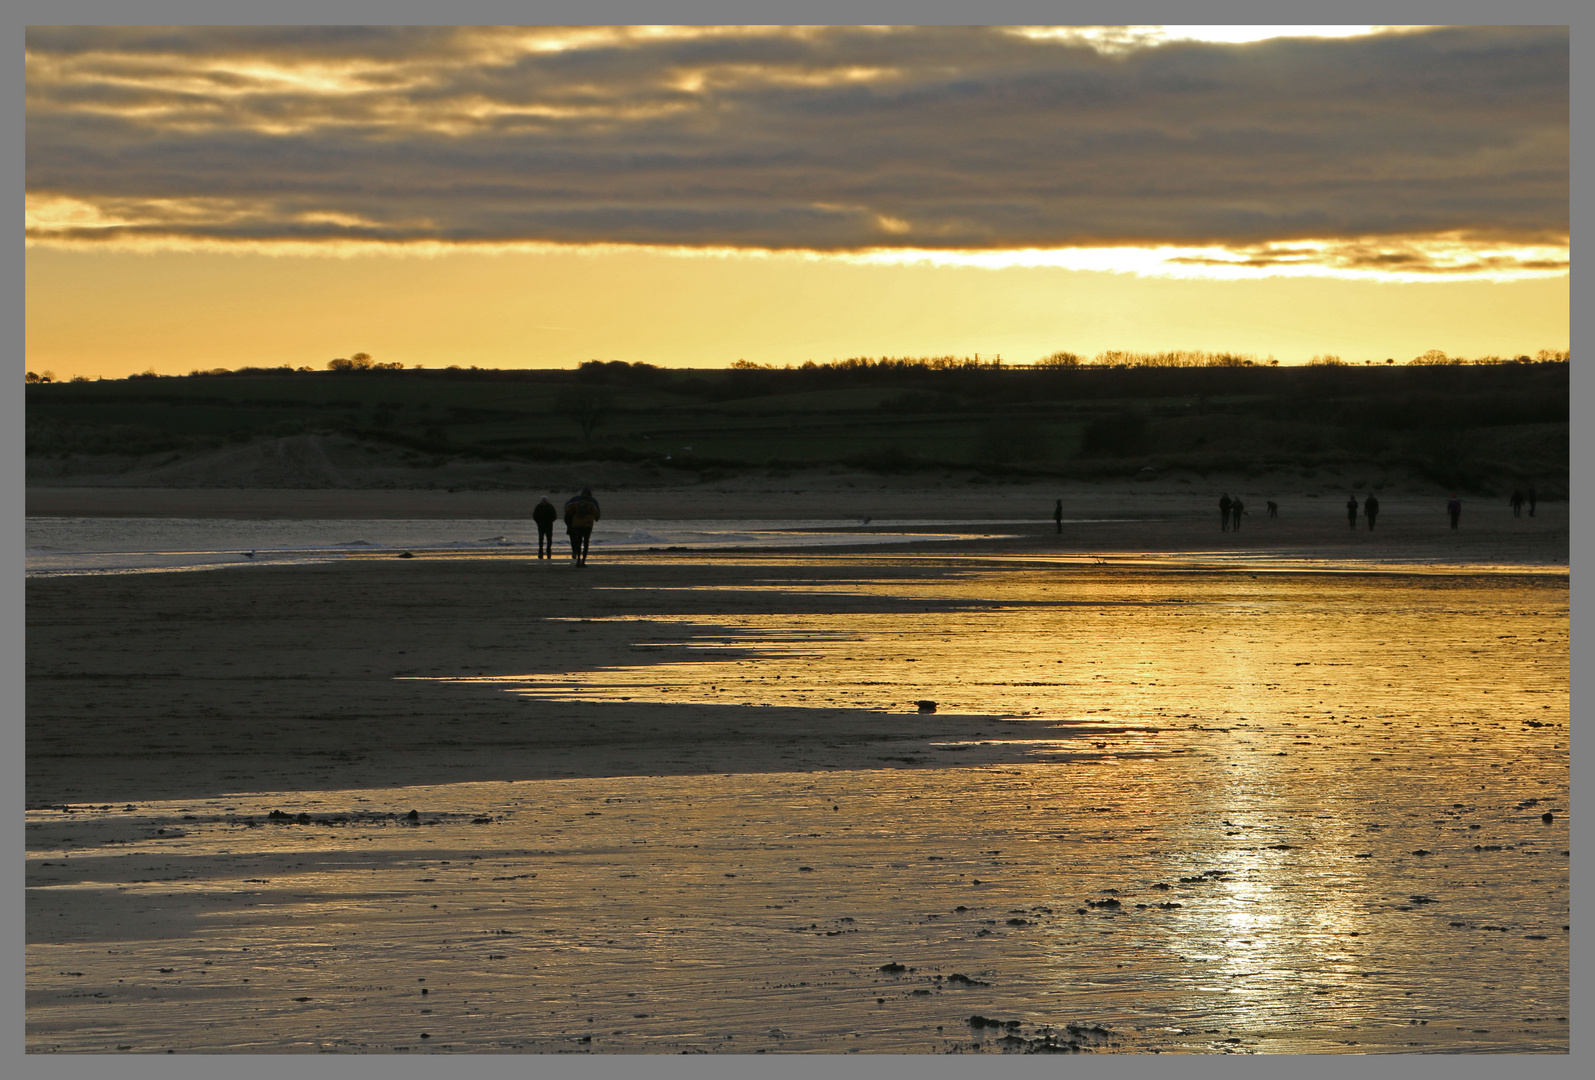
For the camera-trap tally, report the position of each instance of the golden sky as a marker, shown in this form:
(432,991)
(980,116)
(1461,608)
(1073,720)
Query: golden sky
(202,197)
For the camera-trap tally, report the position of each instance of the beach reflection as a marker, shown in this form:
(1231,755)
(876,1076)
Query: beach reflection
(1217,814)
(1335,659)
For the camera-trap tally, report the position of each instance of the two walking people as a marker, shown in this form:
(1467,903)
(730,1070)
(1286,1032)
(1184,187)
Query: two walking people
(1370,510)
(1229,513)
(581,514)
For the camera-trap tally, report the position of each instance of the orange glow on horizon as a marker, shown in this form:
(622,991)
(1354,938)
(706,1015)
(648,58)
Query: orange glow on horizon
(111,314)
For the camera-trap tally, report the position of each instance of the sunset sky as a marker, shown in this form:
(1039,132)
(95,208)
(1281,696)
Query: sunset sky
(525,197)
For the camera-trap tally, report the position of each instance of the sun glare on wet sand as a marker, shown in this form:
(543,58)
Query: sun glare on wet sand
(1177,810)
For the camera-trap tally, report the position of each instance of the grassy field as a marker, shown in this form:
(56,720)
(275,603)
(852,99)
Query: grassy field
(1475,427)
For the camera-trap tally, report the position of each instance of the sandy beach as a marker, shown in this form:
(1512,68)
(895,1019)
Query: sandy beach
(677,801)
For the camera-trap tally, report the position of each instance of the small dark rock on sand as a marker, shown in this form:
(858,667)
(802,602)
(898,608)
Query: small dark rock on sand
(978,1021)
(892,968)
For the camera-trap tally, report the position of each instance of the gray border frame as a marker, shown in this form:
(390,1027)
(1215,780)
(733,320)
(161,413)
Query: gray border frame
(391,1067)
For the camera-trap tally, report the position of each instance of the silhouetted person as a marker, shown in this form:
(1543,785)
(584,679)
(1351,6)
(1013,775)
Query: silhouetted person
(1236,509)
(1517,502)
(581,514)
(1351,511)
(1057,514)
(1454,508)
(1273,508)
(1533,498)
(1224,505)
(545,515)
(1370,509)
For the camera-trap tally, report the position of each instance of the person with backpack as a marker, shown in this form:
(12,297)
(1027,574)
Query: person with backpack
(1370,510)
(545,515)
(581,514)
(1454,508)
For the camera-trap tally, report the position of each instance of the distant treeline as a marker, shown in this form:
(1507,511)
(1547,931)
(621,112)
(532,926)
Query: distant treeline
(1471,425)
(1111,358)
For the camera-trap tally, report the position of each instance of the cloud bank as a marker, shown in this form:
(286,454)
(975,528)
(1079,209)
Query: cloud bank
(1363,154)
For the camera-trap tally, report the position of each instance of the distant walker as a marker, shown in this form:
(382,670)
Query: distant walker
(545,515)
(581,514)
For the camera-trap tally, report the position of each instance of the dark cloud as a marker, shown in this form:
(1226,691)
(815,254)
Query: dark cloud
(823,139)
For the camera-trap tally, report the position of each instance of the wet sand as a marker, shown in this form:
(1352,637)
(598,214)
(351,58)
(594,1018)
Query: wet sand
(675,802)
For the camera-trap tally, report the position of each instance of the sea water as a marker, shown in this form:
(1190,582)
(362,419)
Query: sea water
(68,545)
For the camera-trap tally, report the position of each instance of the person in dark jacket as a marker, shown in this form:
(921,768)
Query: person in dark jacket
(1517,502)
(1236,509)
(1057,514)
(581,514)
(1370,509)
(545,515)
(1223,512)
(1533,498)
(1351,511)
(1454,508)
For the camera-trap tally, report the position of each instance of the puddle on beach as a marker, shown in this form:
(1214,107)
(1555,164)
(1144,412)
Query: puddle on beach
(1417,656)
(1297,814)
